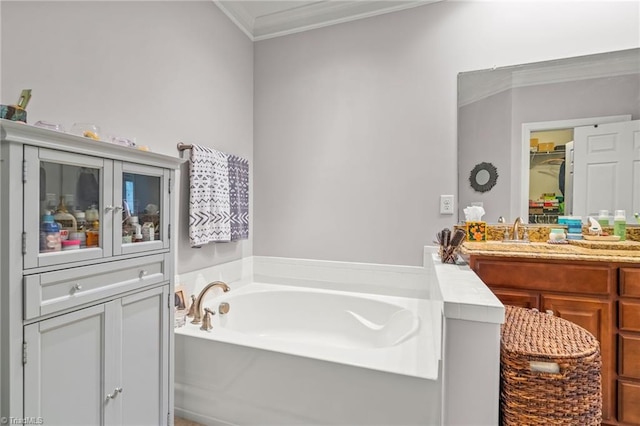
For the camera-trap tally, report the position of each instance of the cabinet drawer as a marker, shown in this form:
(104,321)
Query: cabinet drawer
(539,276)
(629,354)
(53,291)
(520,298)
(629,316)
(630,282)
(628,407)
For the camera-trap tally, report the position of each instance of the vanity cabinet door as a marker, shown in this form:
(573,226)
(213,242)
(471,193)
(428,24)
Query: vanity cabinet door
(596,316)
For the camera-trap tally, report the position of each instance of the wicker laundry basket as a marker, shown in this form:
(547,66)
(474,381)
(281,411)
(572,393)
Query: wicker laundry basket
(549,371)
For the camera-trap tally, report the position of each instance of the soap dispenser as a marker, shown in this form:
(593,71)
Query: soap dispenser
(620,224)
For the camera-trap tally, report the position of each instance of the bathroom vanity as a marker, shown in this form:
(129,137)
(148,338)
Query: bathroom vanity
(596,288)
(86,312)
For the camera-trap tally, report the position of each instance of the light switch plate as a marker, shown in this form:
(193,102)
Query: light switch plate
(446,204)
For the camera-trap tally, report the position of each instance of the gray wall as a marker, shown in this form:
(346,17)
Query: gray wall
(161,72)
(484,131)
(355,124)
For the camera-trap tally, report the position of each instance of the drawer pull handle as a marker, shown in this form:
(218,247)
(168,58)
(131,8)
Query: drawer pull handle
(115,393)
(108,208)
(143,273)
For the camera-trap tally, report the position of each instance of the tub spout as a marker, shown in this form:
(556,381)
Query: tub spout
(198,311)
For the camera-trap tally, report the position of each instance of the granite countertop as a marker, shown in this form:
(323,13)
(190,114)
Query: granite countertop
(621,252)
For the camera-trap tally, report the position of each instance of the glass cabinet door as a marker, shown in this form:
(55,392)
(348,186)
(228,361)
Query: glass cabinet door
(65,199)
(142,223)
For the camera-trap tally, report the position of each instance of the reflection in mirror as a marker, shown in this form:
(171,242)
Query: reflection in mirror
(551,127)
(482,177)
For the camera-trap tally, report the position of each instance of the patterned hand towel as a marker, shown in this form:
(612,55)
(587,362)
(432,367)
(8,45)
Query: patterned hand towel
(209,209)
(239,197)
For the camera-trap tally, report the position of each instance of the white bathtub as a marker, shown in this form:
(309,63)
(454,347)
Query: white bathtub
(297,355)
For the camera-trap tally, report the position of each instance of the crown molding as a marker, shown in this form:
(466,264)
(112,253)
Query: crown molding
(477,85)
(308,16)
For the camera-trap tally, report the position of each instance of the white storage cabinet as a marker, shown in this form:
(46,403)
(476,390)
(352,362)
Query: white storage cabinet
(86,334)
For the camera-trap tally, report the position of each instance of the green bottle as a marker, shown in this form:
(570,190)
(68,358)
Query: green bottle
(603,218)
(620,224)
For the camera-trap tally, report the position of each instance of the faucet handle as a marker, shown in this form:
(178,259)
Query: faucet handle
(192,307)
(206,321)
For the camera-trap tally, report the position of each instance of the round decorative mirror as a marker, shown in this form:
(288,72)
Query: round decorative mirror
(483,177)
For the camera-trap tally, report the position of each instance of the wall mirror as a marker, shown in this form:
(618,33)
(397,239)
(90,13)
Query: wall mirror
(565,135)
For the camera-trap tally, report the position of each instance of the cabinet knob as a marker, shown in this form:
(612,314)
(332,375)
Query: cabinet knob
(143,273)
(118,208)
(77,287)
(107,209)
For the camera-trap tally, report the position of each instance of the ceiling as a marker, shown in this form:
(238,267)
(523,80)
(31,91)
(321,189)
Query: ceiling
(264,19)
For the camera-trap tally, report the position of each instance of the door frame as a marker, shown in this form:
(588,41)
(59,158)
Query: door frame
(520,200)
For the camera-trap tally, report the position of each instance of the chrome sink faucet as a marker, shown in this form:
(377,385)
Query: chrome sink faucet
(198,311)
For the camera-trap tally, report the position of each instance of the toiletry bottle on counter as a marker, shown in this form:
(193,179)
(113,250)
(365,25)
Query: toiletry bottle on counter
(603,217)
(557,235)
(620,224)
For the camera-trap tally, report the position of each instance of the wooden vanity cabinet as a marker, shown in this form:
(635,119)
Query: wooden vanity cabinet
(585,293)
(629,346)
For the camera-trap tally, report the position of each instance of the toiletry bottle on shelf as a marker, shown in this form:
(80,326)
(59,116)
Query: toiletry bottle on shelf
(49,234)
(67,221)
(93,234)
(148,232)
(137,229)
(620,224)
(127,232)
(603,217)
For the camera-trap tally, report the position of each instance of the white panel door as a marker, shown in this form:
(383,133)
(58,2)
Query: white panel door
(145,357)
(604,168)
(67,372)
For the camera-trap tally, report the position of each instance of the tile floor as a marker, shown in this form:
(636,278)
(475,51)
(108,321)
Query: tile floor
(178,421)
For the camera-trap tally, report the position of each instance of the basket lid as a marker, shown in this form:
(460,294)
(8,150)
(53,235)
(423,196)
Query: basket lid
(531,332)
